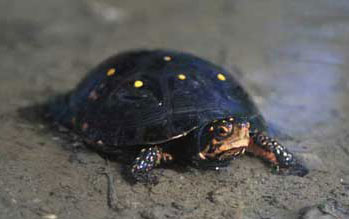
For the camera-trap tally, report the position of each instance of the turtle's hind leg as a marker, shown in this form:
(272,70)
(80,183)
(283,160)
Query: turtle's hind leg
(274,153)
(147,160)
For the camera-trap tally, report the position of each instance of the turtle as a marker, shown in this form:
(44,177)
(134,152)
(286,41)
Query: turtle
(166,105)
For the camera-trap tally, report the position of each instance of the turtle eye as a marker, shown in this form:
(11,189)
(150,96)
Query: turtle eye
(222,130)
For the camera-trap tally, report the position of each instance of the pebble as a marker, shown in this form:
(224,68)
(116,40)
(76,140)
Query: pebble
(315,213)
(330,209)
(50,216)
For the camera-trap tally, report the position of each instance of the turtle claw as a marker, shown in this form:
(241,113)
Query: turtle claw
(145,178)
(281,159)
(295,169)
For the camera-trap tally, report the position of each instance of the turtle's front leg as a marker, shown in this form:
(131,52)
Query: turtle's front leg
(277,155)
(147,160)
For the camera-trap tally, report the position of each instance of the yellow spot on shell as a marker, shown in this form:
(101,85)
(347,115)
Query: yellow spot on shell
(221,77)
(181,77)
(167,58)
(111,72)
(138,84)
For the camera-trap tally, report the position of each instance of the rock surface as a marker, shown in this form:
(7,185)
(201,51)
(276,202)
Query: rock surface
(329,209)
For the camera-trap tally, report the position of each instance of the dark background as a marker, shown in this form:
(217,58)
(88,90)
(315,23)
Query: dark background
(293,57)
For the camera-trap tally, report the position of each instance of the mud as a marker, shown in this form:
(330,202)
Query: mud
(293,59)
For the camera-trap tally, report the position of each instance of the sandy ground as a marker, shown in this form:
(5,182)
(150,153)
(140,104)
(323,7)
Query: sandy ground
(293,55)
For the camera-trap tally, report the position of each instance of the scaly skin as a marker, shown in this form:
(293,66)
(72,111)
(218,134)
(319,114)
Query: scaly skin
(277,155)
(270,150)
(147,160)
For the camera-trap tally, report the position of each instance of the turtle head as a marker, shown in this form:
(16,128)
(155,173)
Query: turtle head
(224,139)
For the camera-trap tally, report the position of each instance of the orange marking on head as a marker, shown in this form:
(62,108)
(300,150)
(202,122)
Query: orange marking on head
(229,142)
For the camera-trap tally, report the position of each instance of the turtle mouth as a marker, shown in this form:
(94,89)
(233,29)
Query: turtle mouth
(226,140)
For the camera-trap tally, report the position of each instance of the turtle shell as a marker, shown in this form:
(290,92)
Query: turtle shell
(151,97)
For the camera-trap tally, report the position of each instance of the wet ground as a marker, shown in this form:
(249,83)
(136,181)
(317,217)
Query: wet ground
(293,55)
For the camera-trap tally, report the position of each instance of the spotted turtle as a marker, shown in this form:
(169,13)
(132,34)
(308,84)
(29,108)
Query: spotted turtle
(169,105)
